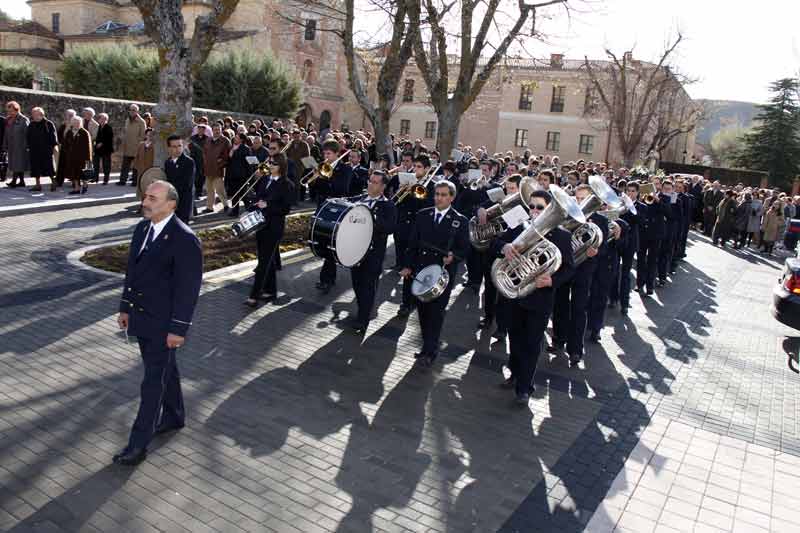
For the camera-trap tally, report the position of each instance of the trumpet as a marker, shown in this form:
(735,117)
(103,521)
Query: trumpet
(418,189)
(647,192)
(481,235)
(325,170)
(261,170)
(479,183)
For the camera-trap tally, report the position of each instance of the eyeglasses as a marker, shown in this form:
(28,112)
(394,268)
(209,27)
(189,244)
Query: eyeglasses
(538,207)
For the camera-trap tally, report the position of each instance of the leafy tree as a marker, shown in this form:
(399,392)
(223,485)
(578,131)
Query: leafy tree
(774,143)
(123,72)
(17,74)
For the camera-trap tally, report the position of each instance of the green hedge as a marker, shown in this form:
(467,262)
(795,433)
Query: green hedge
(17,74)
(238,81)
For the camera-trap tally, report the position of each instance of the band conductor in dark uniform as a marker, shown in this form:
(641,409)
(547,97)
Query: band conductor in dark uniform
(162,284)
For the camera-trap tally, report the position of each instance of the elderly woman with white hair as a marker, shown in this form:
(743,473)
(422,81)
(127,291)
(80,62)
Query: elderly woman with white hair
(77,151)
(103,148)
(42,140)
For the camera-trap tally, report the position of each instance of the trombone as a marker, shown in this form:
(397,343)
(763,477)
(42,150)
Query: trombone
(647,192)
(418,189)
(325,170)
(249,183)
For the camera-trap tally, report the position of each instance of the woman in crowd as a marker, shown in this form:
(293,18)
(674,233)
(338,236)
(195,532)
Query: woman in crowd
(143,159)
(15,144)
(726,219)
(77,148)
(60,132)
(103,148)
(742,219)
(238,170)
(754,220)
(42,140)
(772,226)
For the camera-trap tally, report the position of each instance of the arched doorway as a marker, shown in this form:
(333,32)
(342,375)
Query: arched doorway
(304,116)
(325,120)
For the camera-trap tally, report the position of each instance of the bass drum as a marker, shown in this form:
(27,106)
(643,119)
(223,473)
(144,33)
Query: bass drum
(341,231)
(430,283)
(148,177)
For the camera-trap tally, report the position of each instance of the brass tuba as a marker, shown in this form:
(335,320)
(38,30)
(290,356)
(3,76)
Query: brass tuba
(587,235)
(481,235)
(516,279)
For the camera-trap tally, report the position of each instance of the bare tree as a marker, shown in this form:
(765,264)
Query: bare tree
(179,60)
(452,94)
(643,101)
(404,17)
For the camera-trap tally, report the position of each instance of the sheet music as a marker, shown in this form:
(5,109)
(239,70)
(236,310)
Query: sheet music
(496,194)
(253,160)
(456,155)
(474,173)
(309,162)
(515,216)
(406,178)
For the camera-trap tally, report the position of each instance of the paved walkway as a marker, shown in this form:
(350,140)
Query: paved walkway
(21,199)
(297,425)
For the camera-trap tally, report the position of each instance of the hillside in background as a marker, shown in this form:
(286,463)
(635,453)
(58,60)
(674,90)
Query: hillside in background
(721,114)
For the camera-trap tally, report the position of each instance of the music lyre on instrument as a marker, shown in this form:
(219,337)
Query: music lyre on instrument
(418,189)
(325,170)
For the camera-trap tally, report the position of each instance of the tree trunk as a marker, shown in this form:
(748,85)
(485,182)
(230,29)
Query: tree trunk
(447,135)
(173,113)
(383,141)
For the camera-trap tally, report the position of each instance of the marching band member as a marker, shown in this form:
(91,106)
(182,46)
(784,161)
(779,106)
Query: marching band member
(339,185)
(360,172)
(651,231)
(365,275)
(502,311)
(672,220)
(439,234)
(528,316)
(603,278)
(405,218)
(572,298)
(629,247)
(407,211)
(687,209)
(274,197)
(469,200)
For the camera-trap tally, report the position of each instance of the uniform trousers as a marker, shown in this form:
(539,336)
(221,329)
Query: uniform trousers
(161,396)
(489,290)
(570,312)
(431,320)
(327,274)
(666,249)
(267,245)
(365,284)
(601,287)
(526,334)
(647,264)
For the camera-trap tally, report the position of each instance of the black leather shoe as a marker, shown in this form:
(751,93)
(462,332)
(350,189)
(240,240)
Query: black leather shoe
(485,322)
(522,399)
(650,292)
(574,359)
(612,305)
(130,457)
(507,383)
(166,428)
(427,361)
(404,311)
(359,328)
(499,334)
(623,311)
(594,337)
(556,347)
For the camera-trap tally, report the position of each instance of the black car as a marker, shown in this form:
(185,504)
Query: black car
(786,296)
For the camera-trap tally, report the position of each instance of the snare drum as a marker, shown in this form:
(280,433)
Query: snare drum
(249,223)
(430,283)
(341,231)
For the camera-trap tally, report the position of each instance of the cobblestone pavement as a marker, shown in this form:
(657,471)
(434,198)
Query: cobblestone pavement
(295,424)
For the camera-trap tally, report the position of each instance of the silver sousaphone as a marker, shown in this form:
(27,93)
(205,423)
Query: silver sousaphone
(587,235)
(481,235)
(516,279)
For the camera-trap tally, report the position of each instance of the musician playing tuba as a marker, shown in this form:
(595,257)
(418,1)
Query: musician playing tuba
(528,315)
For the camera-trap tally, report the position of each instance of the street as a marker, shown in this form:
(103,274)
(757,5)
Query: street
(684,417)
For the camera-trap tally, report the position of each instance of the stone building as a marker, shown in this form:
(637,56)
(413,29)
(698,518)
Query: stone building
(295,36)
(547,106)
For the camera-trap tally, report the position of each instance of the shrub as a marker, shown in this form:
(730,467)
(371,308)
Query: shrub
(237,81)
(17,74)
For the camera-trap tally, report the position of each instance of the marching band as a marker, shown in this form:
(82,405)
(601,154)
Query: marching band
(546,245)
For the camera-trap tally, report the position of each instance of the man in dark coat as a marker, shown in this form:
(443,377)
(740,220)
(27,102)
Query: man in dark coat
(179,169)
(711,199)
(103,148)
(162,285)
(197,143)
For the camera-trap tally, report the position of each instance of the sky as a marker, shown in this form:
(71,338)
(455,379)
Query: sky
(734,49)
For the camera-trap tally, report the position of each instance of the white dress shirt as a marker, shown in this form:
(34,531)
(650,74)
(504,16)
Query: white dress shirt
(437,213)
(157,228)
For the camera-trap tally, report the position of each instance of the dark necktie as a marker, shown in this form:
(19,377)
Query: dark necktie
(438,218)
(148,242)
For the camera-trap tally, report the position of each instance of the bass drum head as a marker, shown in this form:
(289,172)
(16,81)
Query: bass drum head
(150,175)
(426,279)
(354,236)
